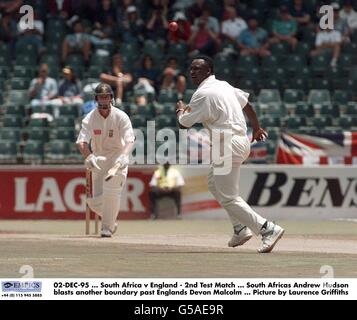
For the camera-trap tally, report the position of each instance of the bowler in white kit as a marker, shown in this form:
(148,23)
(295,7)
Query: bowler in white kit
(105,140)
(219,106)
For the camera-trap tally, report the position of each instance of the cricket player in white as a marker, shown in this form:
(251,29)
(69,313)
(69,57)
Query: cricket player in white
(105,141)
(219,106)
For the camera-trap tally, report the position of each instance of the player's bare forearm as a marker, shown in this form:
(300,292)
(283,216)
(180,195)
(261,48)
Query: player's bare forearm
(180,109)
(83,148)
(252,116)
(259,134)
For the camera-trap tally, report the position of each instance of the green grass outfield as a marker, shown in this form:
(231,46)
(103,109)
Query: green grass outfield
(174,248)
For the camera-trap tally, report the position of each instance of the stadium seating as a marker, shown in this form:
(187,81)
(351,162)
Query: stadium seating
(288,89)
(8,152)
(33,152)
(57,151)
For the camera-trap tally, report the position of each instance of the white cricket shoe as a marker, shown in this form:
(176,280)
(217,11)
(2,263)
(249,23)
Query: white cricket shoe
(270,236)
(240,237)
(106,233)
(115,228)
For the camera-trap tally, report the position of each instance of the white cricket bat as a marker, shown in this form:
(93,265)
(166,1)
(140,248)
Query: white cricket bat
(112,171)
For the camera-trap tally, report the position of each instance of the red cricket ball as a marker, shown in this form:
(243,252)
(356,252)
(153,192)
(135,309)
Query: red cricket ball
(173,26)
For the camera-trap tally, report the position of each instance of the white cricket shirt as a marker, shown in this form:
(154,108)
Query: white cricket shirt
(107,136)
(219,106)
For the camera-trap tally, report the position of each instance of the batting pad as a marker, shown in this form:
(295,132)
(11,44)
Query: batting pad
(111,200)
(95,204)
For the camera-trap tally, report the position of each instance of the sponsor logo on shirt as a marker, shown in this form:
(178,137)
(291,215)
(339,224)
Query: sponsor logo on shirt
(97,132)
(111,131)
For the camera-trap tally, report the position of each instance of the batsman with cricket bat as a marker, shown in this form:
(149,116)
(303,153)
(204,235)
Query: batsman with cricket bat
(105,140)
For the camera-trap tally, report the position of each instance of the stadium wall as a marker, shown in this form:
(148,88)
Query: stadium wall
(278,192)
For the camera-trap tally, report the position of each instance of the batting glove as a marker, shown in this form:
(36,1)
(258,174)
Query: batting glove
(122,161)
(91,162)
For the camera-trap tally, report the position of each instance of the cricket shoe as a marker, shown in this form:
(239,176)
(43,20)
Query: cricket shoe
(240,237)
(270,236)
(106,233)
(115,228)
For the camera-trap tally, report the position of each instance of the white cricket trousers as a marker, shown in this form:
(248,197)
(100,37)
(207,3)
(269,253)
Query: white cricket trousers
(225,188)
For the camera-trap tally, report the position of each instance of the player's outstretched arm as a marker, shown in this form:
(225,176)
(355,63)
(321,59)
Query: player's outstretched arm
(259,134)
(180,109)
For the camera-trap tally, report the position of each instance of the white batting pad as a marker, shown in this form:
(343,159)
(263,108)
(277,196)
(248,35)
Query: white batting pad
(95,204)
(111,200)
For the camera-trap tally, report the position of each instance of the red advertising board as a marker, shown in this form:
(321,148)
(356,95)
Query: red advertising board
(59,193)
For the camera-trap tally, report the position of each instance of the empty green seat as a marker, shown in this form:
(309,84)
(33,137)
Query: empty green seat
(318,97)
(56,151)
(249,73)
(225,74)
(188,95)
(4,72)
(326,109)
(55,24)
(277,73)
(138,121)
(33,152)
(270,62)
(293,95)
(63,122)
(20,97)
(145,111)
(53,47)
(19,83)
(351,108)
(69,111)
(8,151)
(38,134)
(63,133)
(321,122)
(269,121)
(13,134)
(47,108)
(248,61)
(319,64)
(17,110)
(269,96)
(165,120)
(12,121)
(75,60)
(272,84)
(298,83)
(98,60)
(167,96)
(279,49)
(303,109)
(295,122)
(341,97)
(345,61)
(248,84)
(24,72)
(4,61)
(319,84)
(50,59)
(26,59)
(40,122)
(302,49)
(346,122)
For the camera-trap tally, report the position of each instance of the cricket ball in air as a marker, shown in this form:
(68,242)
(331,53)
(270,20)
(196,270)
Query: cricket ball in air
(173,26)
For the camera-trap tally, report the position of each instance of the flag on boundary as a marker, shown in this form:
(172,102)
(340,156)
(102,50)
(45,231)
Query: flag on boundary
(321,148)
